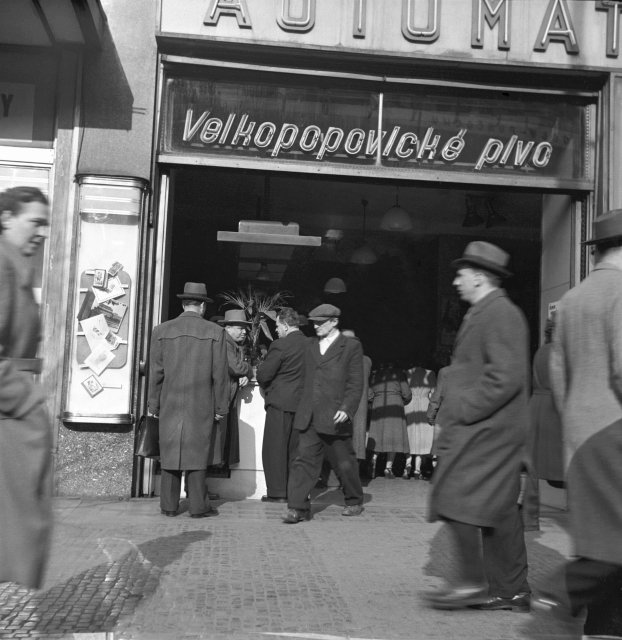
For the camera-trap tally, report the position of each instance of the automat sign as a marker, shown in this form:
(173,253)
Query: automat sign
(239,132)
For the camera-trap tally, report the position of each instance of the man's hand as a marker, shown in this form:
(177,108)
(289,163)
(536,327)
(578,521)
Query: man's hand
(218,417)
(243,381)
(340,416)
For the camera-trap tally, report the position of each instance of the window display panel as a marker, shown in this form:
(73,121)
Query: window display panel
(99,383)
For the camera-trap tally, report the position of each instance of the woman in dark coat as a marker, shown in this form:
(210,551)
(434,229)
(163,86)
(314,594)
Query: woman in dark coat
(389,392)
(25,434)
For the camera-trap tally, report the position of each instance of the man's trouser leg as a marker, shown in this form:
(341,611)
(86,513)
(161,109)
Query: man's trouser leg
(468,544)
(505,556)
(170,488)
(305,469)
(340,454)
(197,491)
(275,450)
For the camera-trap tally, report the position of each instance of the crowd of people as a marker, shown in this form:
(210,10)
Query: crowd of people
(487,428)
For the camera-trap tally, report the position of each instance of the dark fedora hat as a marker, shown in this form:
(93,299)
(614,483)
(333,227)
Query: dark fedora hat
(607,227)
(486,256)
(324,312)
(194,291)
(235,316)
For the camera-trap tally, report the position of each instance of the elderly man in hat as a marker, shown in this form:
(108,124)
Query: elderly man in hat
(333,385)
(480,449)
(240,372)
(188,390)
(586,378)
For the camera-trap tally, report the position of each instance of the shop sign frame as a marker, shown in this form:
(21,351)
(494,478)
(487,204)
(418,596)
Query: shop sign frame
(346,124)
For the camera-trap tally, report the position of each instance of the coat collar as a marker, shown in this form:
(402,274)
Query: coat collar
(333,351)
(23,265)
(475,310)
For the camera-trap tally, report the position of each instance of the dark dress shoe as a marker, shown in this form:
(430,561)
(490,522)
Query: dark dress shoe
(296,515)
(271,499)
(457,598)
(206,514)
(520,603)
(170,514)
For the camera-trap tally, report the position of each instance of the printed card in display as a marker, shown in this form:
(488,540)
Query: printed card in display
(114,289)
(95,330)
(99,359)
(92,385)
(114,313)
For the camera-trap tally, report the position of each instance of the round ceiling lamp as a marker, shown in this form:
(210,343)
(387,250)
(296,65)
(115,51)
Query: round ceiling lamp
(396,218)
(335,285)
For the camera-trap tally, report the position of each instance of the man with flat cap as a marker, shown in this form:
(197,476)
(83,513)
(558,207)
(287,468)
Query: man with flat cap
(586,378)
(333,384)
(188,390)
(480,450)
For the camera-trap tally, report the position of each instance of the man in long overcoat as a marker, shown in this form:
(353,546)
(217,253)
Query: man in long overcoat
(480,449)
(332,390)
(25,432)
(586,376)
(189,390)
(281,376)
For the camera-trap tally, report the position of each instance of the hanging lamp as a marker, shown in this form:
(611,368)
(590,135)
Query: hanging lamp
(364,255)
(396,218)
(335,285)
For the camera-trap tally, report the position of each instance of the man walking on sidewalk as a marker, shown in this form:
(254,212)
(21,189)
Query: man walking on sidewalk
(332,390)
(480,449)
(586,377)
(189,391)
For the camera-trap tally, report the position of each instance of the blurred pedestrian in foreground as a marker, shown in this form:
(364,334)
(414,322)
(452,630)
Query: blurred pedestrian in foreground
(189,391)
(332,391)
(483,414)
(281,375)
(25,433)
(586,375)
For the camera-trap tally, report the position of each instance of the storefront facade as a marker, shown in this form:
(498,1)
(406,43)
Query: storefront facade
(491,119)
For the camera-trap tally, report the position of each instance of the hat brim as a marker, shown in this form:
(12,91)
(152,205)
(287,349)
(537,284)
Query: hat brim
(194,296)
(482,263)
(616,236)
(322,318)
(241,323)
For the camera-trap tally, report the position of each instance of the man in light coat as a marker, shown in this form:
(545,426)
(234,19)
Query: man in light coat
(189,391)
(333,384)
(586,377)
(481,445)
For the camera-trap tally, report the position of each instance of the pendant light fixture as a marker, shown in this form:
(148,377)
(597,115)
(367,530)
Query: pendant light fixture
(335,285)
(396,218)
(364,255)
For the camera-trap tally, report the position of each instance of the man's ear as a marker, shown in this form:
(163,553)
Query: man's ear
(5,218)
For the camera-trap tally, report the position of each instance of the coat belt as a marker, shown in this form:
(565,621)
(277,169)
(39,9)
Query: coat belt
(33,365)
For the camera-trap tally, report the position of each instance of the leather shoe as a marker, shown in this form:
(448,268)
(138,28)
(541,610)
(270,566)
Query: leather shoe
(206,514)
(457,598)
(353,510)
(520,603)
(170,514)
(271,499)
(296,515)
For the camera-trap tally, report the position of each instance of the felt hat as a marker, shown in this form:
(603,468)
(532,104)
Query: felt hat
(324,312)
(607,227)
(194,291)
(485,255)
(234,316)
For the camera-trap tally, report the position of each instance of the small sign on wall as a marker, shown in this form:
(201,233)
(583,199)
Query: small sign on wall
(552,309)
(17,108)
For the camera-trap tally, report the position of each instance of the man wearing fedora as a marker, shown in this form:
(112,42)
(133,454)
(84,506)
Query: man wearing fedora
(239,373)
(333,384)
(586,377)
(480,450)
(188,390)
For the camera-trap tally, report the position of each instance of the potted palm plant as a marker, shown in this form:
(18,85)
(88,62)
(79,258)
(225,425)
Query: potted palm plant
(258,306)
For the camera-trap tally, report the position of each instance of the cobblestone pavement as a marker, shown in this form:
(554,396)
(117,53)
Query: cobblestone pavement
(121,571)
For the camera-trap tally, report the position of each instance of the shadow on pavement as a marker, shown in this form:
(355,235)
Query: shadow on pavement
(95,599)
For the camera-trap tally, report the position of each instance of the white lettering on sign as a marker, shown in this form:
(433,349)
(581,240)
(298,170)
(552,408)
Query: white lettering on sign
(241,132)
(421,20)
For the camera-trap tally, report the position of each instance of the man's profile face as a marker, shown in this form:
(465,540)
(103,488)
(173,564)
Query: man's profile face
(465,281)
(324,327)
(281,328)
(28,228)
(237,332)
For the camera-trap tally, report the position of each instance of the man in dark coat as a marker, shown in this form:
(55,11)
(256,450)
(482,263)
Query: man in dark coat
(332,391)
(586,377)
(280,376)
(240,373)
(484,418)
(188,390)
(25,433)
